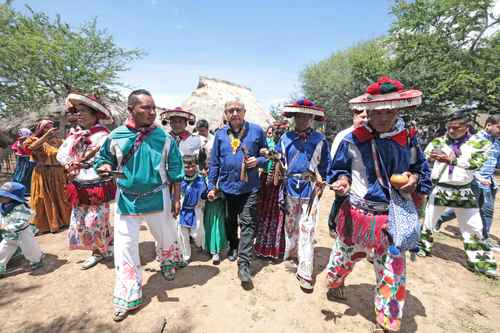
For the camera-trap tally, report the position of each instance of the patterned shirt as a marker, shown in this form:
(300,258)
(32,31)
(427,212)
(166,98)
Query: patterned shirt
(472,157)
(15,221)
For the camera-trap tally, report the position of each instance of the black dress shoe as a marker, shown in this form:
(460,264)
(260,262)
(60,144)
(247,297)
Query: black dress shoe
(232,254)
(244,273)
(245,277)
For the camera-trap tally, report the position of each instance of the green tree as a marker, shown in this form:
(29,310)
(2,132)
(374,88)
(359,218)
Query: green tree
(42,60)
(332,82)
(450,50)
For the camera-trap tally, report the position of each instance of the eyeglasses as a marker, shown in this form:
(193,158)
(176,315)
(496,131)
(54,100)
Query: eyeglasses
(234,109)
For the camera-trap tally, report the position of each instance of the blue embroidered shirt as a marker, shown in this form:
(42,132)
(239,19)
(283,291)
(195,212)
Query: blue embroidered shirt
(354,160)
(311,153)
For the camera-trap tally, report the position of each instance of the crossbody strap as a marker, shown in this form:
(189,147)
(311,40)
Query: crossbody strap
(376,156)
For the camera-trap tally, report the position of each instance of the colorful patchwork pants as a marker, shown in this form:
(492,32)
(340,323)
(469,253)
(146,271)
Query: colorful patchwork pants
(390,291)
(480,258)
(28,244)
(299,235)
(128,285)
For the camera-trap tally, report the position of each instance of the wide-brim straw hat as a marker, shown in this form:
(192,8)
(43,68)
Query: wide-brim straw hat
(90,101)
(386,94)
(304,106)
(178,112)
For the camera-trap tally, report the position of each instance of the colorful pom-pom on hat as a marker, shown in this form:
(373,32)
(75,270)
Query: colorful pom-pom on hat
(304,106)
(386,94)
(178,112)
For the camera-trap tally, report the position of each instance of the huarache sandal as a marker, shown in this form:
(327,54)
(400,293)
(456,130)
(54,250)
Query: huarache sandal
(120,314)
(304,284)
(337,293)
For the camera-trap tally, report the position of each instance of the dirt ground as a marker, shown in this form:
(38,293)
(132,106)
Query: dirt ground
(442,295)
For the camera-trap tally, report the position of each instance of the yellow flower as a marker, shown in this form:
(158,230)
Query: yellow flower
(235,143)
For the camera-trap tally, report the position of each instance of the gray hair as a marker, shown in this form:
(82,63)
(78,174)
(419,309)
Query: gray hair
(233,103)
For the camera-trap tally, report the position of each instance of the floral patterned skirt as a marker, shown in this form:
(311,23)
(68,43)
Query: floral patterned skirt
(90,229)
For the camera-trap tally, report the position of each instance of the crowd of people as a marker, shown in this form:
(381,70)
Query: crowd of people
(248,191)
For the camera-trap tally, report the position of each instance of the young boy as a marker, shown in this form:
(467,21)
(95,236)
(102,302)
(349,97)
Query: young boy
(15,227)
(191,216)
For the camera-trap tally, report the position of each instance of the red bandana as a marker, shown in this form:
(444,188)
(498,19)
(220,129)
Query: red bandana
(364,135)
(181,136)
(143,133)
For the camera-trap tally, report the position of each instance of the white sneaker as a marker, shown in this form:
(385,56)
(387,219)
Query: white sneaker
(91,261)
(215,259)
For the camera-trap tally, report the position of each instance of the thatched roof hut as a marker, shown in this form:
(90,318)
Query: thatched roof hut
(207,102)
(53,111)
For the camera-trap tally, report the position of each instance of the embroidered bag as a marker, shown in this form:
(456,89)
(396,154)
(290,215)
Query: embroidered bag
(403,225)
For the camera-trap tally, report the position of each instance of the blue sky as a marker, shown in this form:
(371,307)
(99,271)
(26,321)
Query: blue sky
(263,45)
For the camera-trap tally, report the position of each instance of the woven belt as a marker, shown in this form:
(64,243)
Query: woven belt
(140,195)
(92,183)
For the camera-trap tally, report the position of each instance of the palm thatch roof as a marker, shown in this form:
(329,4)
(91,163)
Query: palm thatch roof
(54,111)
(207,102)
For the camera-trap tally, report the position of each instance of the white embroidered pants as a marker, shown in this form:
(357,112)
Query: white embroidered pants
(128,287)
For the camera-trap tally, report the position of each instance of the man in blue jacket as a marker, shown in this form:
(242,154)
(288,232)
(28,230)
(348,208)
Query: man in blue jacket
(233,169)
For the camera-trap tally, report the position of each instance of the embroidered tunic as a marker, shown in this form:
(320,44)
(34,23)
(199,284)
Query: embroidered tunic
(453,181)
(155,163)
(15,221)
(301,155)
(192,192)
(354,160)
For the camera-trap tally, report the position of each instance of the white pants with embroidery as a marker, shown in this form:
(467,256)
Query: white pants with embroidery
(480,258)
(128,286)
(299,235)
